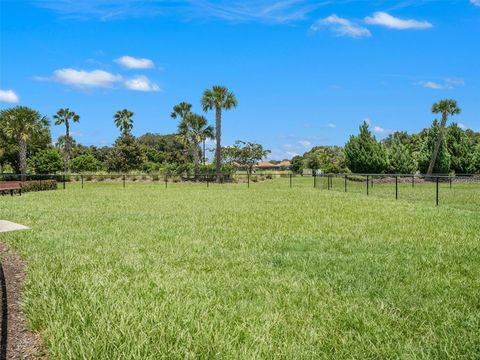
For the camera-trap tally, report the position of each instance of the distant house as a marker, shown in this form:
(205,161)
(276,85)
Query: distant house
(265,165)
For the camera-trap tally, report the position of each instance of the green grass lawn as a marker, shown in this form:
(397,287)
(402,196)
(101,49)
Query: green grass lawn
(230,272)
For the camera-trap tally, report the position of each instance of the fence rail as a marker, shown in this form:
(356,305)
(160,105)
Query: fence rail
(439,188)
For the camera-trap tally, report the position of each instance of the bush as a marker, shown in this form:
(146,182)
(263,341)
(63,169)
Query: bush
(84,163)
(39,185)
(46,162)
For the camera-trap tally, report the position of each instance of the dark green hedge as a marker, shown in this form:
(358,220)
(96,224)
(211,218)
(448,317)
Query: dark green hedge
(39,185)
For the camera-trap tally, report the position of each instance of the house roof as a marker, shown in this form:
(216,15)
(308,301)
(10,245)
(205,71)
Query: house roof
(285,163)
(266,164)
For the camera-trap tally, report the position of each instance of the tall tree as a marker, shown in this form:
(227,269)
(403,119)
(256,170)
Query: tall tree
(428,140)
(193,129)
(218,98)
(64,116)
(364,154)
(123,121)
(181,110)
(22,125)
(245,153)
(446,108)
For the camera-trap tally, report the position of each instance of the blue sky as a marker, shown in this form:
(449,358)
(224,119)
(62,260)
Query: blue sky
(305,72)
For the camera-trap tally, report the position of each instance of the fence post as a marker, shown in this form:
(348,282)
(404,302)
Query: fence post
(437,189)
(63,181)
(345,183)
(396,187)
(413,181)
(314,179)
(450,177)
(81,176)
(166,181)
(367,184)
(207,180)
(371,181)
(124,181)
(248,179)
(290,180)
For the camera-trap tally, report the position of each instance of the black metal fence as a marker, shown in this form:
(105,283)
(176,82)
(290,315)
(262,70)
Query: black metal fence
(461,190)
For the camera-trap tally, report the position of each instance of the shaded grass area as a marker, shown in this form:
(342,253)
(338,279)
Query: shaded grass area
(229,272)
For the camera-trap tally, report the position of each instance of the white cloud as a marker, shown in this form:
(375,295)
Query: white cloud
(341,26)
(135,63)
(379,130)
(83,78)
(475,2)
(141,83)
(367,120)
(385,19)
(305,143)
(331,126)
(449,83)
(8,96)
(430,85)
(460,125)
(267,11)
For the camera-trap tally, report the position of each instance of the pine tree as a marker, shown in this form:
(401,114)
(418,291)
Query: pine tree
(364,154)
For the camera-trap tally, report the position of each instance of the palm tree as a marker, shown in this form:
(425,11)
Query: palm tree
(23,124)
(218,98)
(64,116)
(123,121)
(181,110)
(193,130)
(446,108)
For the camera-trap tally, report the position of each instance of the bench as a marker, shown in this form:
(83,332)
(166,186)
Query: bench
(10,187)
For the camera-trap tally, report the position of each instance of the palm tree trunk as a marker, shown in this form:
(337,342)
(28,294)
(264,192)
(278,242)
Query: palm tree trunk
(66,156)
(218,134)
(437,146)
(196,159)
(23,157)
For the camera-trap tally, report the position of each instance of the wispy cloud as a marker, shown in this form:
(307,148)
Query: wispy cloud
(331,126)
(8,96)
(379,130)
(475,2)
(461,126)
(130,62)
(141,83)
(83,79)
(305,143)
(392,22)
(274,11)
(448,83)
(340,26)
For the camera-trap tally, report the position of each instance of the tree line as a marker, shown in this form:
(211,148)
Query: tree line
(435,150)
(26,145)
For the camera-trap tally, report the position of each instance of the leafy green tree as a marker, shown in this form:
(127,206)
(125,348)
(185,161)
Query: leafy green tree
(297,164)
(446,108)
(474,167)
(46,162)
(246,153)
(164,148)
(85,163)
(64,117)
(126,155)
(363,154)
(194,129)
(401,160)
(429,140)
(20,129)
(461,148)
(218,98)
(123,120)
(330,159)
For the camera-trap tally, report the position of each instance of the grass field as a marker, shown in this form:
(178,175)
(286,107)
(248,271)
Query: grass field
(267,272)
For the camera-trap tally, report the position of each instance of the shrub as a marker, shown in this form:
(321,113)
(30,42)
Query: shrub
(46,162)
(39,185)
(84,163)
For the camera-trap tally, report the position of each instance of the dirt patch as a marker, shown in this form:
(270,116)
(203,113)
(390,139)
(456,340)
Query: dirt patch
(21,343)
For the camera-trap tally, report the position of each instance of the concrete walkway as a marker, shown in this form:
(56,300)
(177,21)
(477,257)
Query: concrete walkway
(10,226)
